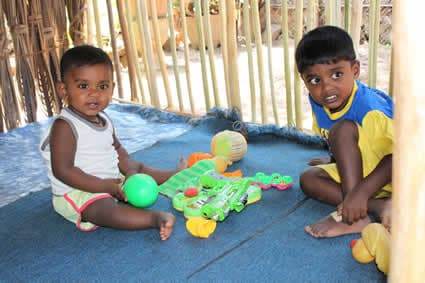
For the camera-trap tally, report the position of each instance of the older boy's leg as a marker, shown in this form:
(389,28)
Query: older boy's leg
(381,208)
(316,183)
(109,213)
(343,139)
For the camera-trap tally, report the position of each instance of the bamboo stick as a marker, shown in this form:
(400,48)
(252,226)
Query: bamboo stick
(270,61)
(142,16)
(224,47)
(9,99)
(208,34)
(297,80)
(408,204)
(200,27)
(260,64)
(311,14)
(233,56)
(89,21)
(160,53)
(116,57)
(248,39)
(356,22)
(186,56)
(97,24)
(174,54)
(347,15)
(373,40)
(286,62)
(128,52)
(133,50)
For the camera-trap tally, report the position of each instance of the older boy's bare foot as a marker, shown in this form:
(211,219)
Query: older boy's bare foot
(382,209)
(328,227)
(165,224)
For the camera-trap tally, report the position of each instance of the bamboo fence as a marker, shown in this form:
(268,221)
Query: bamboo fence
(154,77)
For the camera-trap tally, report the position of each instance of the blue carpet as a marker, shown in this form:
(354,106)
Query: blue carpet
(265,242)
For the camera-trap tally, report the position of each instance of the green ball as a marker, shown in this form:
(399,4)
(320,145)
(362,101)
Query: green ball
(141,190)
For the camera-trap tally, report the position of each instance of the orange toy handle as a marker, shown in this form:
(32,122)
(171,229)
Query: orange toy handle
(196,156)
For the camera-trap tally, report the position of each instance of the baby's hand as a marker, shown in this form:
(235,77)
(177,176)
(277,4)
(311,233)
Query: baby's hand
(182,164)
(113,187)
(319,160)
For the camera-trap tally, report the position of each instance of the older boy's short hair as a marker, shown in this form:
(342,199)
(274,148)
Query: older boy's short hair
(83,55)
(324,45)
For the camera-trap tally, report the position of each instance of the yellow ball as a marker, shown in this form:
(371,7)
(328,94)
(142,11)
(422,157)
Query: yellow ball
(230,144)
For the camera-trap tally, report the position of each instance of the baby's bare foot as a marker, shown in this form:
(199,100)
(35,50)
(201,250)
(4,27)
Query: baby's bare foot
(328,227)
(165,224)
(182,164)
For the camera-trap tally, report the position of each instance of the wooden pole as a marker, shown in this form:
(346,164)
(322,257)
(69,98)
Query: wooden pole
(224,47)
(270,61)
(186,56)
(117,63)
(288,85)
(208,35)
(356,23)
(347,15)
(160,53)
(311,13)
(133,50)
(130,58)
(233,56)
(297,79)
(374,8)
(260,64)
(200,27)
(248,38)
(174,53)
(97,24)
(408,206)
(145,35)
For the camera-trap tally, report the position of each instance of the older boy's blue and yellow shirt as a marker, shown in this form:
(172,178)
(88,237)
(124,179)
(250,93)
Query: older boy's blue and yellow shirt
(370,108)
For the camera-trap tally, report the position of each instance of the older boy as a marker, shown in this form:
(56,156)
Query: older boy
(357,122)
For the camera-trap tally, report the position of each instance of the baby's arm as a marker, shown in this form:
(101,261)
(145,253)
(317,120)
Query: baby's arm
(130,167)
(63,148)
(355,203)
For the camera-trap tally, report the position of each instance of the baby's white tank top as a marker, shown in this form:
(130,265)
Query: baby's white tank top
(95,154)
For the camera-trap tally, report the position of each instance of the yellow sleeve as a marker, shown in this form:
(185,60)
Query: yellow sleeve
(380,130)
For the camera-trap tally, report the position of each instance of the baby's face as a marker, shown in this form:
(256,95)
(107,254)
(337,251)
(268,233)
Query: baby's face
(331,84)
(89,88)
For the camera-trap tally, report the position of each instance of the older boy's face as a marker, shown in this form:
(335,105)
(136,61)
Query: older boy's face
(330,85)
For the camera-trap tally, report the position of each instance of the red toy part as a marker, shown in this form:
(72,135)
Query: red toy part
(352,243)
(191,192)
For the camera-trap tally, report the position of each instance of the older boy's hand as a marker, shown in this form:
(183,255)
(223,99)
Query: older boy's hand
(319,160)
(354,207)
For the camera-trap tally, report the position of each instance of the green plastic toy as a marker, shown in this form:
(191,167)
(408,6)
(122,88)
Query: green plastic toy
(217,196)
(141,190)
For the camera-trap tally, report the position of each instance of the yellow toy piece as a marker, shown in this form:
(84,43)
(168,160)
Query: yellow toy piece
(374,244)
(200,227)
(222,162)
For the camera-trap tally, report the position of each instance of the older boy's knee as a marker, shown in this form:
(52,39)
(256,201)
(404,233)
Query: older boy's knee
(343,128)
(307,179)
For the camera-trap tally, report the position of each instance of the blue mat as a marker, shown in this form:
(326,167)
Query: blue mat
(265,242)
